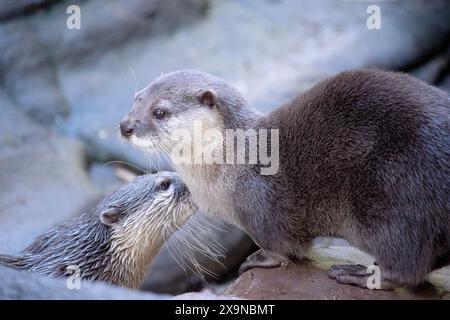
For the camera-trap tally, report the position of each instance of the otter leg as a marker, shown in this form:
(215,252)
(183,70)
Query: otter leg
(263,259)
(359,275)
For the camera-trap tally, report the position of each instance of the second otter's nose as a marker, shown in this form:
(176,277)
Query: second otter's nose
(126,129)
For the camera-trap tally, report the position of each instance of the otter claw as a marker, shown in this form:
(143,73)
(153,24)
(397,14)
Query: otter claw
(338,270)
(262,259)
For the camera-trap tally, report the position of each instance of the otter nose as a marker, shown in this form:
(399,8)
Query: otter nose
(126,128)
(181,188)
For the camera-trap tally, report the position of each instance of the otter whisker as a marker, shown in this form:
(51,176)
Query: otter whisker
(203,243)
(134,77)
(178,254)
(192,240)
(126,163)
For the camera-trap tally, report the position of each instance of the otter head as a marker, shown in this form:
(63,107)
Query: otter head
(173,104)
(141,215)
(148,204)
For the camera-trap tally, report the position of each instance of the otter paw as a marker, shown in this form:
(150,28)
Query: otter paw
(358,275)
(350,274)
(262,259)
(344,269)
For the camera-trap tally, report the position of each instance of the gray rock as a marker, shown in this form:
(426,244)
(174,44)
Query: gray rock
(16,8)
(42,177)
(433,71)
(103,177)
(15,127)
(26,286)
(445,84)
(111,23)
(32,48)
(28,73)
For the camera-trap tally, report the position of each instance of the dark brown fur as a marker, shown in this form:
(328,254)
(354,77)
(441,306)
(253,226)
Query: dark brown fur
(366,155)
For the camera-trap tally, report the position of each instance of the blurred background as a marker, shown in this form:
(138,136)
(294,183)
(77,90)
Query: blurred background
(64,91)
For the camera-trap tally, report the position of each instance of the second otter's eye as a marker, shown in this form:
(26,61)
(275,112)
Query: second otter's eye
(159,114)
(164,185)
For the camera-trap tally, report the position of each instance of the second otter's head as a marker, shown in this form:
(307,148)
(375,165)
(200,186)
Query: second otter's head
(141,215)
(174,103)
(147,204)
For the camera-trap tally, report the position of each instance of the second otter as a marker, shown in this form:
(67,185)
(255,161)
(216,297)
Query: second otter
(117,242)
(364,155)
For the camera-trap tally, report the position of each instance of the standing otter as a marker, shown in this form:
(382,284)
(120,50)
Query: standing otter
(364,155)
(117,242)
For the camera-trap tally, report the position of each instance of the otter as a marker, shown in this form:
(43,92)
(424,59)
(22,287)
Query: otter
(116,242)
(363,155)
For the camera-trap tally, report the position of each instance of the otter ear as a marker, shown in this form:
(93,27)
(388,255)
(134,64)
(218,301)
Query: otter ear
(111,216)
(207,97)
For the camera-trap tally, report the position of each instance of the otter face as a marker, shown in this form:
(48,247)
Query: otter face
(169,106)
(150,204)
(140,216)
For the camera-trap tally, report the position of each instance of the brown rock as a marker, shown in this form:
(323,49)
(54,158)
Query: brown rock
(306,281)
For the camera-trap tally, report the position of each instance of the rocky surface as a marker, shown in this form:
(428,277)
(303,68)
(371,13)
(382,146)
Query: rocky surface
(43,179)
(308,280)
(22,285)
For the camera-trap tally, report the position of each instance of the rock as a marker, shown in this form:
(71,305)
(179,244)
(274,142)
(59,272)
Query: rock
(104,177)
(110,23)
(236,246)
(433,71)
(306,281)
(445,84)
(30,78)
(43,179)
(45,41)
(15,127)
(27,286)
(15,8)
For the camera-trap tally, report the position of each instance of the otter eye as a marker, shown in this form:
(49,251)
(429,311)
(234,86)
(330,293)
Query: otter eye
(164,185)
(159,114)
